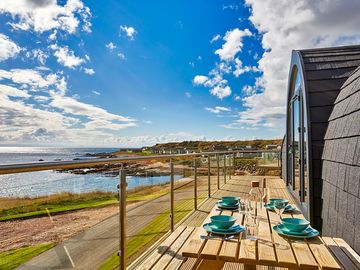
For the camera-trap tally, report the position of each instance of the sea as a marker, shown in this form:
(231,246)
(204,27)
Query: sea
(43,183)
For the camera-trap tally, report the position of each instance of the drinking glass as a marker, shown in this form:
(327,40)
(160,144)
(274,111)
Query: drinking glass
(243,207)
(280,207)
(252,225)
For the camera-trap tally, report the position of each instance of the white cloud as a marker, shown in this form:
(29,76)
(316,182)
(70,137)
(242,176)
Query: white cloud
(215,38)
(89,71)
(47,15)
(249,90)
(66,57)
(128,30)
(221,91)
(53,35)
(237,98)
(233,44)
(111,46)
(96,93)
(8,48)
(287,25)
(38,54)
(6,90)
(218,109)
(33,79)
(200,79)
(240,69)
(121,56)
(188,94)
(192,64)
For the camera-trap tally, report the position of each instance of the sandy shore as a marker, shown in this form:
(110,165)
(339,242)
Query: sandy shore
(19,233)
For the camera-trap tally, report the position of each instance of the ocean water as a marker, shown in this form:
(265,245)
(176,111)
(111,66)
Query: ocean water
(49,182)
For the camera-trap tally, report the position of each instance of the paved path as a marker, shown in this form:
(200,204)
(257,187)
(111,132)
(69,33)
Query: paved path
(89,249)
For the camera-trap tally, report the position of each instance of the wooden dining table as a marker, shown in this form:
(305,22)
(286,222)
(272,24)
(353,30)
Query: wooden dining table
(269,248)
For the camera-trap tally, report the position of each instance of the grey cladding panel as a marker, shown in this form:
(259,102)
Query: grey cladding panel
(320,114)
(322,98)
(325,85)
(329,74)
(333,65)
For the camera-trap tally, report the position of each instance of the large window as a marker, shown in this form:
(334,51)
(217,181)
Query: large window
(297,143)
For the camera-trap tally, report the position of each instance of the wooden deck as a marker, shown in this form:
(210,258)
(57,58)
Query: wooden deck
(167,252)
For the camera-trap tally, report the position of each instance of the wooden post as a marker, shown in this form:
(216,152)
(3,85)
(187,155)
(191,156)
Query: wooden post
(209,183)
(224,169)
(172,196)
(218,170)
(195,185)
(122,206)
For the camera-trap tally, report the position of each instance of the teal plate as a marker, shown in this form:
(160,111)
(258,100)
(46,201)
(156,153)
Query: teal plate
(236,228)
(288,208)
(226,206)
(287,231)
(311,232)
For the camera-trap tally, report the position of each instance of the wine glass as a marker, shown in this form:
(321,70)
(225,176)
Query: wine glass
(279,207)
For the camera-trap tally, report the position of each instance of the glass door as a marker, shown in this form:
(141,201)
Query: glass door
(295,151)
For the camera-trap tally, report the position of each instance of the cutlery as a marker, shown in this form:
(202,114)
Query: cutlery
(206,237)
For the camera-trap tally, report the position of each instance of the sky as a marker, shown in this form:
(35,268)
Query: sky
(134,73)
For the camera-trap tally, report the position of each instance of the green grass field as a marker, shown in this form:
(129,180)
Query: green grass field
(16,208)
(153,230)
(13,258)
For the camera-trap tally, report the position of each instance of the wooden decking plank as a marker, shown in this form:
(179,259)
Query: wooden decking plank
(156,254)
(354,257)
(340,255)
(210,264)
(322,255)
(284,253)
(266,252)
(172,251)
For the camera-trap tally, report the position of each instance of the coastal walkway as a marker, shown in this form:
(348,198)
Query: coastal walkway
(89,249)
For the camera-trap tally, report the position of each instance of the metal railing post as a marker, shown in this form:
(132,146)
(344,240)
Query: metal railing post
(218,171)
(209,188)
(172,196)
(195,185)
(122,220)
(224,169)
(230,168)
(234,155)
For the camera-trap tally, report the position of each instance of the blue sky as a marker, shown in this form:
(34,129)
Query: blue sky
(132,73)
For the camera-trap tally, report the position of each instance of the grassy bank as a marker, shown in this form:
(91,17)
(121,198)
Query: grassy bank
(152,231)
(16,208)
(13,258)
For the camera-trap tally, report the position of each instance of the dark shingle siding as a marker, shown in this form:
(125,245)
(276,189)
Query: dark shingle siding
(341,169)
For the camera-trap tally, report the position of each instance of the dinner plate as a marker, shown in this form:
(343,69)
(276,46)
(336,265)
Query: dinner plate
(311,234)
(230,229)
(302,233)
(210,228)
(288,208)
(227,206)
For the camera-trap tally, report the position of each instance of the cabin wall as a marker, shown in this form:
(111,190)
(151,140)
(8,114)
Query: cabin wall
(325,72)
(341,166)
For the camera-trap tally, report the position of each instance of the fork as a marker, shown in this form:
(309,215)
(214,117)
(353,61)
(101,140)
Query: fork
(226,238)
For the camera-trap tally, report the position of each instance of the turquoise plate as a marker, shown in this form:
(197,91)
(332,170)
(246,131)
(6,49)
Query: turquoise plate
(287,231)
(236,228)
(226,206)
(312,232)
(288,208)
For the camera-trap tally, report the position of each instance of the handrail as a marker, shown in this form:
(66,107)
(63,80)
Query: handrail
(56,165)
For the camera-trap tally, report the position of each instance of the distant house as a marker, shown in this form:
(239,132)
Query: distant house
(272,147)
(219,147)
(321,149)
(190,150)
